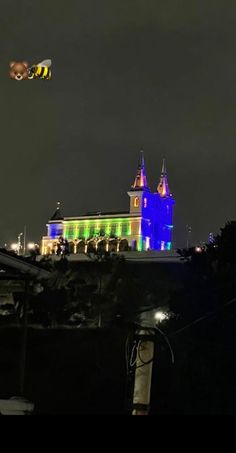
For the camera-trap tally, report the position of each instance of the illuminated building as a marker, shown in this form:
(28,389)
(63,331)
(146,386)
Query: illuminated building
(146,226)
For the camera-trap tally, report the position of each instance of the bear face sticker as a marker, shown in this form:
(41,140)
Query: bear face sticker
(18,70)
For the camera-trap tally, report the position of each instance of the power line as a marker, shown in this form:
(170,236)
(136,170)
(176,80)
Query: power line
(208,315)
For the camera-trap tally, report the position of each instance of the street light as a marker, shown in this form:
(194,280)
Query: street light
(19,246)
(30,245)
(161,316)
(14,246)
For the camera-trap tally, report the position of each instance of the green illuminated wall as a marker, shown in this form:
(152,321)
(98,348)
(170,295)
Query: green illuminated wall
(86,228)
(128,228)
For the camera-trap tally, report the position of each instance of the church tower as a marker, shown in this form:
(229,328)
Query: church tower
(164,204)
(140,203)
(55,227)
(163,187)
(139,189)
(57,214)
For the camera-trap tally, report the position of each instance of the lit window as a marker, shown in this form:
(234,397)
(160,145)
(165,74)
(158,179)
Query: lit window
(136,202)
(124,228)
(162,245)
(145,202)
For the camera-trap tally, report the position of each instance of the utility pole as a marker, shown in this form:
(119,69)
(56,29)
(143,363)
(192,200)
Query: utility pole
(24,338)
(145,338)
(100,297)
(19,246)
(18,405)
(140,358)
(188,238)
(24,243)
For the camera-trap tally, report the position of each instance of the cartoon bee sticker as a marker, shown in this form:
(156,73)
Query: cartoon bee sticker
(41,70)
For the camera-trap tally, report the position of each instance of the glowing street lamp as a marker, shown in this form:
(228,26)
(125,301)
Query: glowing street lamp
(14,246)
(30,246)
(161,316)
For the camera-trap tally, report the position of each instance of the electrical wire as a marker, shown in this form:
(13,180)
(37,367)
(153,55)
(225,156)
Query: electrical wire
(208,315)
(133,356)
(168,343)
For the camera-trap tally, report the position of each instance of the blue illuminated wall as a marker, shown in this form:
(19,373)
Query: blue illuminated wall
(157,221)
(55,230)
(163,222)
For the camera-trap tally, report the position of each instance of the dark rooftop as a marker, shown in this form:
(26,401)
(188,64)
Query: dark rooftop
(105,213)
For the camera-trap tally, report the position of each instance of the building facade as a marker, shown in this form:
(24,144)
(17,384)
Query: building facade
(146,226)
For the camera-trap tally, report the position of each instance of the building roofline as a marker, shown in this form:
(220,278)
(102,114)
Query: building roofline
(102,216)
(96,217)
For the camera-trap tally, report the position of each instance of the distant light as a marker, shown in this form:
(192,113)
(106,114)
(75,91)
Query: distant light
(161,316)
(14,246)
(30,246)
(147,243)
(198,249)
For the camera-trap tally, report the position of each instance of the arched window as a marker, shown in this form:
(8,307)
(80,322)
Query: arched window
(136,202)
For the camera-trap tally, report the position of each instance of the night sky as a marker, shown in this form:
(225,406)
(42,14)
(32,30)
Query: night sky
(127,74)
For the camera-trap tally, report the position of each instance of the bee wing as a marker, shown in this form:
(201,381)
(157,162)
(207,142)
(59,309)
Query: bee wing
(45,63)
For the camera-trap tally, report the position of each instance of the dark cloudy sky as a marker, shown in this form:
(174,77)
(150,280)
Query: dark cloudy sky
(158,74)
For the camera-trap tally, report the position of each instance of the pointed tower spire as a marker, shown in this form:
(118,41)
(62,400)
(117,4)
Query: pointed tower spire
(163,170)
(140,182)
(57,214)
(163,187)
